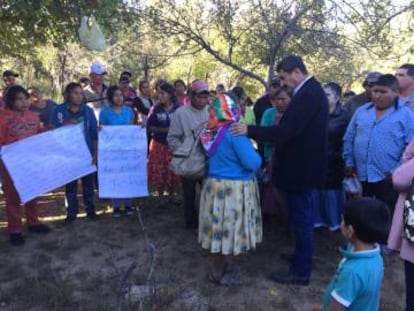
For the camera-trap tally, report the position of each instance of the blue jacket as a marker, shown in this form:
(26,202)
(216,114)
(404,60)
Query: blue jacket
(63,116)
(235,159)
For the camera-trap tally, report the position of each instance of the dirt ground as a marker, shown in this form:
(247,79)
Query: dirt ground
(83,266)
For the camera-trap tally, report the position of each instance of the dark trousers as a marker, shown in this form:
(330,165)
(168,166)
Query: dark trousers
(382,190)
(409,285)
(300,210)
(190,204)
(71,192)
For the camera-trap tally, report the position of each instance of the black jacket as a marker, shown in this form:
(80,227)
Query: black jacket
(338,122)
(300,140)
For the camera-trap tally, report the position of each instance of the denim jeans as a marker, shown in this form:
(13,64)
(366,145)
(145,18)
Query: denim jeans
(409,285)
(300,210)
(71,192)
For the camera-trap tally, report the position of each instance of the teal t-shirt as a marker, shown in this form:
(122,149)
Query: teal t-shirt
(109,117)
(357,281)
(268,119)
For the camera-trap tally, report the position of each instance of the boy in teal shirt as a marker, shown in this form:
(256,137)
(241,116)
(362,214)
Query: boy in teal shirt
(357,281)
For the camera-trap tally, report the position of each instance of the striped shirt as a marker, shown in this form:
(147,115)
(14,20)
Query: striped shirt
(375,146)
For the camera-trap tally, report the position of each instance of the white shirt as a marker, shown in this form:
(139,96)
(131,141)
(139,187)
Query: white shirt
(296,89)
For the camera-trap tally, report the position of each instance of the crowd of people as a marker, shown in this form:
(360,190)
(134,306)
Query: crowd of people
(288,153)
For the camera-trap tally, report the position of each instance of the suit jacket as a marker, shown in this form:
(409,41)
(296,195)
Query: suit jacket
(300,140)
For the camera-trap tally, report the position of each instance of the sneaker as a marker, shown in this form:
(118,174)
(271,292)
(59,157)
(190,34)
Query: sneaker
(39,229)
(91,215)
(129,211)
(16,239)
(116,213)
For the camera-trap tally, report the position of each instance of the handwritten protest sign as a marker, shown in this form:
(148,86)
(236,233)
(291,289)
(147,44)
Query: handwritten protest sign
(122,162)
(46,161)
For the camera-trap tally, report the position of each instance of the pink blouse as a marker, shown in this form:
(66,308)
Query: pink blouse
(402,178)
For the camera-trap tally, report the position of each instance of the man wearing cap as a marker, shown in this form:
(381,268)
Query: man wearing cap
(95,92)
(358,100)
(405,77)
(263,102)
(186,121)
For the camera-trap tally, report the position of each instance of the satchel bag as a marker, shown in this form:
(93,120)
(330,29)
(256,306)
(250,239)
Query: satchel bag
(408,216)
(189,160)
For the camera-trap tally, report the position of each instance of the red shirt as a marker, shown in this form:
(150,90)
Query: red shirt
(15,126)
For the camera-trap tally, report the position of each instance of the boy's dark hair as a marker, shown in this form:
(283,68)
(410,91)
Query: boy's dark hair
(370,219)
(238,91)
(110,93)
(11,95)
(335,87)
(284,89)
(69,88)
(409,67)
(388,80)
(290,63)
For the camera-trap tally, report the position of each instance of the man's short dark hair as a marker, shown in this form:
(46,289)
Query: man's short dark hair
(290,63)
(370,219)
(335,87)
(388,80)
(409,67)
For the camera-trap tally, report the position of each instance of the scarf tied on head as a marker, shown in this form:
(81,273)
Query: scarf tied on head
(223,112)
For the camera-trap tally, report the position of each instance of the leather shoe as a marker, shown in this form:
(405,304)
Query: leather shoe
(289,279)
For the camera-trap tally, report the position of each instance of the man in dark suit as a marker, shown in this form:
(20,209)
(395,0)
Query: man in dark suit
(300,159)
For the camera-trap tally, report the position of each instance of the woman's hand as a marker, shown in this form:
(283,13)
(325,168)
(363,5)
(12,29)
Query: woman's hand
(238,129)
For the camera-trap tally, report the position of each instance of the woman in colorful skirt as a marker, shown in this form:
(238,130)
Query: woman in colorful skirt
(230,216)
(160,178)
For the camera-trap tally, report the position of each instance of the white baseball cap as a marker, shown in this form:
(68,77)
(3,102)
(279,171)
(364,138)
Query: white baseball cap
(98,69)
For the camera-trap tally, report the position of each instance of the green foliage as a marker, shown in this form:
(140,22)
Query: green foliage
(29,23)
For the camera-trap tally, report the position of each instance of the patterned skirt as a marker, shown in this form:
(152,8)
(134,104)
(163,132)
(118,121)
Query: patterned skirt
(160,176)
(230,216)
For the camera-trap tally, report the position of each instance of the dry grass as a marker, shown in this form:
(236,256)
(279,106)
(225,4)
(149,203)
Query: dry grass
(80,267)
